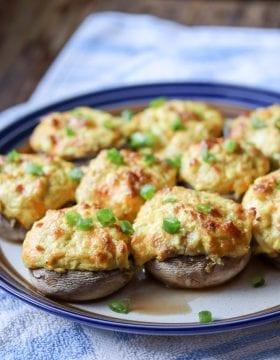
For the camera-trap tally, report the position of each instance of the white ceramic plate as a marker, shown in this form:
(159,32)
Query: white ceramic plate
(155,308)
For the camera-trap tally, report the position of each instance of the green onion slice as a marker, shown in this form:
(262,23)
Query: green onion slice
(204,208)
(13,156)
(108,124)
(34,169)
(72,217)
(149,159)
(85,223)
(126,227)
(127,114)
(207,156)
(147,191)
(69,131)
(277,185)
(76,174)
(170,200)
(115,156)
(105,217)
(174,162)
(230,146)
(257,123)
(277,123)
(139,139)
(205,316)
(171,225)
(177,124)
(257,281)
(120,306)
(157,102)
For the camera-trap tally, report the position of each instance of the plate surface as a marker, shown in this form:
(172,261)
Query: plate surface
(155,309)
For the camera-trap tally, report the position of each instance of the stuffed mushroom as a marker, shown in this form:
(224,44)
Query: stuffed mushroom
(77,134)
(191,239)
(225,166)
(29,186)
(123,180)
(262,128)
(79,253)
(165,124)
(264,197)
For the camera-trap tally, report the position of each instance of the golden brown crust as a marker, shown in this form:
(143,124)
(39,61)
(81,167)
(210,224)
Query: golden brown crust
(228,171)
(262,128)
(54,244)
(76,133)
(196,122)
(264,197)
(224,231)
(25,196)
(118,186)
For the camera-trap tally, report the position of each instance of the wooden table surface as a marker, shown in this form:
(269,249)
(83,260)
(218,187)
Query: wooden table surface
(33,31)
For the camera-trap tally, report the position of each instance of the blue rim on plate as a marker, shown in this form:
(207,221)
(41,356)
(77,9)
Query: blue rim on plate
(21,128)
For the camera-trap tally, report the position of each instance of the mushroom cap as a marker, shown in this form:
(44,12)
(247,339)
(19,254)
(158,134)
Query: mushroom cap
(11,229)
(79,285)
(196,272)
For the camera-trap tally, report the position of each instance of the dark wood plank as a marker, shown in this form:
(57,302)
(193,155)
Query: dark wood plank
(32,32)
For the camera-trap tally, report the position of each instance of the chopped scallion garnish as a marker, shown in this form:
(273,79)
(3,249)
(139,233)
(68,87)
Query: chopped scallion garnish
(171,225)
(13,156)
(177,124)
(108,124)
(174,162)
(34,169)
(147,191)
(257,123)
(120,306)
(205,316)
(207,156)
(76,174)
(204,208)
(105,217)
(257,281)
(72,217)
(149,159)
(170,200)
(138,140)
(127,114)
(230,146)
(69,131)
(157,102)
(85,223)
(115,156)
(126,227)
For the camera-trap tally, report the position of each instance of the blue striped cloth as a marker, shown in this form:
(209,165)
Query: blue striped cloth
(112,49)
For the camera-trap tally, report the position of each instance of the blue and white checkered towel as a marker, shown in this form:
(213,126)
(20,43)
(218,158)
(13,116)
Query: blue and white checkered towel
(112,49)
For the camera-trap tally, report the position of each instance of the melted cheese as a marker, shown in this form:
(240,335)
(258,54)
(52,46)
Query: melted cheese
(264,197)
(26,197)
(199,121)
(117,186)
(262,128)
(230,172)
(225,231)
(53,244)
(77,133)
